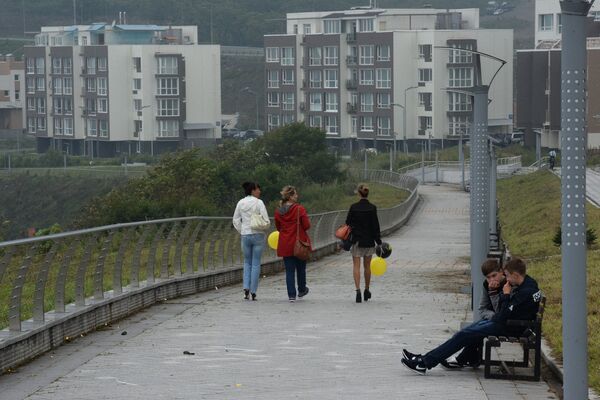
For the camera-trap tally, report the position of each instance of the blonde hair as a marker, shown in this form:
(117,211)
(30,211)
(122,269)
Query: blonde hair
(286,194)
(363,190)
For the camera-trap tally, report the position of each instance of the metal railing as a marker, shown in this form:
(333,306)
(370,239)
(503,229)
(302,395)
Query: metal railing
(69,272)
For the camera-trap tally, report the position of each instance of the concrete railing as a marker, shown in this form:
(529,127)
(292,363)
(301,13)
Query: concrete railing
(61,286)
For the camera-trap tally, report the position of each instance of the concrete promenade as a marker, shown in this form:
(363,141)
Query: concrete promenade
(323,347)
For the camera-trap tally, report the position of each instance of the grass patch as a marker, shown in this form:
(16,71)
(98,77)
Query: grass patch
(530,215)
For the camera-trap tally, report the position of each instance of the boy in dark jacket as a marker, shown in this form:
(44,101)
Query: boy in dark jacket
(519,300)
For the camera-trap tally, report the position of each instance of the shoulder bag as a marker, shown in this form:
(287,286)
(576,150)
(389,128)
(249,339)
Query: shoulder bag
(258,221)
(301,248)
(343,232)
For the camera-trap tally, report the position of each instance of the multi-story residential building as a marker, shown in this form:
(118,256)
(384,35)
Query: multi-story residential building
(351,72)
(11,93)
(539,83)
(105,89)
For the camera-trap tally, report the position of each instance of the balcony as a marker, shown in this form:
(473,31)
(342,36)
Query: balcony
(351,60)
(351,108)
(351,37)
(422,132)
(351,84)
(302,106)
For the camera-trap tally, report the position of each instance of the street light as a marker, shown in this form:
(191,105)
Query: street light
(141,112)
(250,91)
(403,119)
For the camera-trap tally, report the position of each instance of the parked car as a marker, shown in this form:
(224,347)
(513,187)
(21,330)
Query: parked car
(252,134)
(230,133)
(517,137)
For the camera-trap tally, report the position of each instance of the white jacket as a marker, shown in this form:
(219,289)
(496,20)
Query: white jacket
(244,209)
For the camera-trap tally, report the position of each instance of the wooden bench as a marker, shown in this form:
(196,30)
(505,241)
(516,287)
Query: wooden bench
(531,339)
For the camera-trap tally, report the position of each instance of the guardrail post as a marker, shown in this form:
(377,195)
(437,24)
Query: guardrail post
(9,166)
(493,180)
(422,165)
(437,169)
(461,158)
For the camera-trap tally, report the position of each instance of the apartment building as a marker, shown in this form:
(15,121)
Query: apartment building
(352,72)
(11,93)
(539,78)
(101,90)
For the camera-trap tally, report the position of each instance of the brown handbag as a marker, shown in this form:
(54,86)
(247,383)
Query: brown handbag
(343,232)
(301,249)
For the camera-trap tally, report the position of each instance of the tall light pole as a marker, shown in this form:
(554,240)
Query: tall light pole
(573,225)
(404,119)
(250,91)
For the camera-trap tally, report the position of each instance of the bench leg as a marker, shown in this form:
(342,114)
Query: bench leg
(487,360)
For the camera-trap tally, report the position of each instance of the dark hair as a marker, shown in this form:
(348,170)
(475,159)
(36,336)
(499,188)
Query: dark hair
(490,265)
(516,265)
(363,190)
(249,187)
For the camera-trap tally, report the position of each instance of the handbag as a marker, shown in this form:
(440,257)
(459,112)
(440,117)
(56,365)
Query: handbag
(343,232)
(258,221)
(301,249)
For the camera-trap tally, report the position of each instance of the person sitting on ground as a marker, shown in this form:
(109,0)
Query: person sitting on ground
(519,300)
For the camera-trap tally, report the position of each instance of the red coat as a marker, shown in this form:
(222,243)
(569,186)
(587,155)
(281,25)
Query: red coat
(285,221)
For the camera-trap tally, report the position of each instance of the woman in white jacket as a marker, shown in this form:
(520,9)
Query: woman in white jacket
(253,238)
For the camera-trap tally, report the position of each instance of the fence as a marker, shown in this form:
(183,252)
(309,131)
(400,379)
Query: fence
(91,277)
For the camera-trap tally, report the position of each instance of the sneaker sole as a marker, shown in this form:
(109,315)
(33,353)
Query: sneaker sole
(416,371)
(407,357)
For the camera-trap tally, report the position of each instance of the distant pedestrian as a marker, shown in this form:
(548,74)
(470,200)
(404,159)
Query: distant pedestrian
(292,223)
(552,158)
(250,219)
(362,218)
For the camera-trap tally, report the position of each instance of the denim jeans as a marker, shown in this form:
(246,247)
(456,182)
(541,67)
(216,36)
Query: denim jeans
(468,336)
(252,247)
(294,265)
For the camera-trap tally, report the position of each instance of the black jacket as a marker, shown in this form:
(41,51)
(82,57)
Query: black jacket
(362,217)
(521,304)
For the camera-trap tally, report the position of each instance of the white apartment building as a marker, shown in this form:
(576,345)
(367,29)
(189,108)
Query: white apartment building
(11,93)
(103,89)
(349,73)
(548,25)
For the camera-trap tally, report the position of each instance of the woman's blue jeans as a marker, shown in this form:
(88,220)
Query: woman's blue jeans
(252,248)
(294,266)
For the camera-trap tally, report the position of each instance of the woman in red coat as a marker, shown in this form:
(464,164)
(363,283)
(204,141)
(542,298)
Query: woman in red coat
(291,220)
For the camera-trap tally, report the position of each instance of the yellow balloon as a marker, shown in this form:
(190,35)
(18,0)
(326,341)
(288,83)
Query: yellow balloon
(378,266)
(273,240)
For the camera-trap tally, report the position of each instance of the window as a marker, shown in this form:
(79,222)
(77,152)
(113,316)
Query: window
(90,84)
(40,65)
(315,121)
(425,74)
(366,102)
(425,100)
(366,124)
(41,123)
(84,40)
(331,55)
(384,78)
(331,124)
(58,126)
(137,64)
(384,100)
(306,29)
(90,106)
(559,22)
(41,105)
(31,104)
(273,54)
(383,53)
(167,65)
(16,77)
(272,99)
(316,102)
(168,128)
(30,85)
(354,125)
(168,107)
(545,22)
(425,123)
(366,77)
(459,102)
(273,120)
(137,105)
(103,128)
(314,54)
(91,127)
(365,25)
(67,106)
(273,79)
(137,84)
(68,86)
(425,52)
(460,77)
(295,29)
(287,76)
(461,57)
(102,86)
(384,126)
(332,26)
(103,105)
(67,66)
(331,102)
(30,125)
(288,101)
(331,78)
(288,119)
(354,98)
(40,84)
(58,106)
(31,70)
(316,77)
(57,86)
(459,125)
(366,55)
(56,65)
(68,126)
(102,64)
(168,86)
(90,65)
(287,56)
(137,127)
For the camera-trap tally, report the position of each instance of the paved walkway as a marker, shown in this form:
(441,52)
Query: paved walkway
(323,347)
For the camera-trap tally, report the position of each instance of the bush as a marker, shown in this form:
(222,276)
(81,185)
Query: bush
(590,237)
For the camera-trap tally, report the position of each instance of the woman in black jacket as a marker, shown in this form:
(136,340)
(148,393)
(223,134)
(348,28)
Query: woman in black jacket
(362,218)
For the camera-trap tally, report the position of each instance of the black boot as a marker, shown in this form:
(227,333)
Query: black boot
(367,295)
(246,294)
(358,296)
(253,296)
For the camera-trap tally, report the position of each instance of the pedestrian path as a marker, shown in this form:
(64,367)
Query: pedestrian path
(323,347)
(592,185)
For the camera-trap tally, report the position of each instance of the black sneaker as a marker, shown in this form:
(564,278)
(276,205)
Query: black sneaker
(452,364)
(367,295)
(408,355)
(292,299)
(253,296)
(416,365)
(303,293)
(246,294)
(358,296)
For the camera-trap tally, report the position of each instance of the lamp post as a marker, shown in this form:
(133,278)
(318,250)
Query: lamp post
(405,145)
(252,92)
(403,119)
(141,111)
